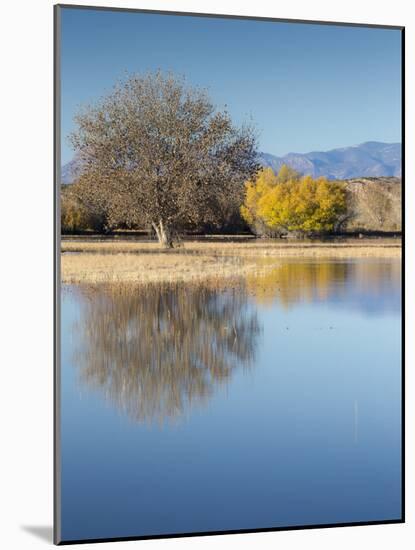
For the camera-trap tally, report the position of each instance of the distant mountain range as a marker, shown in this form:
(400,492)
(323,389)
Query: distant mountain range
(369,159)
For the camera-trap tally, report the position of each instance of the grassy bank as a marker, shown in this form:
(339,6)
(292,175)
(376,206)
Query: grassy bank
(253,248)
(146,268)
(94,262)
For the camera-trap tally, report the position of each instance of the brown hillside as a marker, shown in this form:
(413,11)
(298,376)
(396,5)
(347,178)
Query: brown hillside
(373,204)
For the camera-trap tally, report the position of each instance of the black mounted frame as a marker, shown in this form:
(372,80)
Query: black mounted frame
(57,275)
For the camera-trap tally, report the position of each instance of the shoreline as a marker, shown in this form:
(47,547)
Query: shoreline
(255,247)
(103,262)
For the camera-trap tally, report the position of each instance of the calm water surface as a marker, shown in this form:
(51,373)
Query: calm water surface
(269,402)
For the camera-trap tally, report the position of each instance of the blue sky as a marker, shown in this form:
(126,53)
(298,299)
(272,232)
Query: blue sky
(306,87)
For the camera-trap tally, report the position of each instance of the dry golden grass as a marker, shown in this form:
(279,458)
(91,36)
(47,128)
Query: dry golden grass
(93,262)
(253,247)
(146,268)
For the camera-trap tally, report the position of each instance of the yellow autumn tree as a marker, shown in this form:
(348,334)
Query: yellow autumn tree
(260,187)
(289,203)
(254,191)
(286,173)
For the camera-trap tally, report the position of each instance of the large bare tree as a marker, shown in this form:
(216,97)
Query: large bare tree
(156,151)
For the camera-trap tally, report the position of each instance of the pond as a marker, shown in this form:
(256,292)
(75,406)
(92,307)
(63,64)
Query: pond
(263,402)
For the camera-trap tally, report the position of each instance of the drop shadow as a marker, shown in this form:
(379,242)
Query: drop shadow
(44,532)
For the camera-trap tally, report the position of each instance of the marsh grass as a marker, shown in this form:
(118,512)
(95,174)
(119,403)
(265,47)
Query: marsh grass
(101,262)
(247,248)
(102,268)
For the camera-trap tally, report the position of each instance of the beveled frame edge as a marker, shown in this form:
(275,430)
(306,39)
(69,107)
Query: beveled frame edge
(56,274)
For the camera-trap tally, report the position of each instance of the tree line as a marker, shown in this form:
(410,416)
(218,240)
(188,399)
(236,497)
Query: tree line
(156,154)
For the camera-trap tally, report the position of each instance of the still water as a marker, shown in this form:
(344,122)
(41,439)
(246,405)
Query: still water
(273,401)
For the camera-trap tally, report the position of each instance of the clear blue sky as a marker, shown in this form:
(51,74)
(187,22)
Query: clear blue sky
(306,87)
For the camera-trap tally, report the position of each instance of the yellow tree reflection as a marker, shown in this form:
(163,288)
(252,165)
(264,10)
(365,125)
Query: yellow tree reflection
(306,281)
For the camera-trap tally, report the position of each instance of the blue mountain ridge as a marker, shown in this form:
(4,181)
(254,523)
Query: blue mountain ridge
(369,159)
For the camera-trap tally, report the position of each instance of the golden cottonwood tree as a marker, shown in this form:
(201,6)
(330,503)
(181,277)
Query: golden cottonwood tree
(287,202)
(254,191)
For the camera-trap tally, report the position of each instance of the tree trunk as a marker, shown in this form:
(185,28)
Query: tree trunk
(164,234)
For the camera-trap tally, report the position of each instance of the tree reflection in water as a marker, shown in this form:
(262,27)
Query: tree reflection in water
(377,281)
(299,281)
(155,350)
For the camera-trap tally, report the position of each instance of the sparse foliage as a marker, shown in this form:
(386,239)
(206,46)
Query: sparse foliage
(157,152)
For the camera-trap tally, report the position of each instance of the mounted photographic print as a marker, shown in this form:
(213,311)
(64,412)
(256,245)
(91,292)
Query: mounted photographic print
(228,297)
